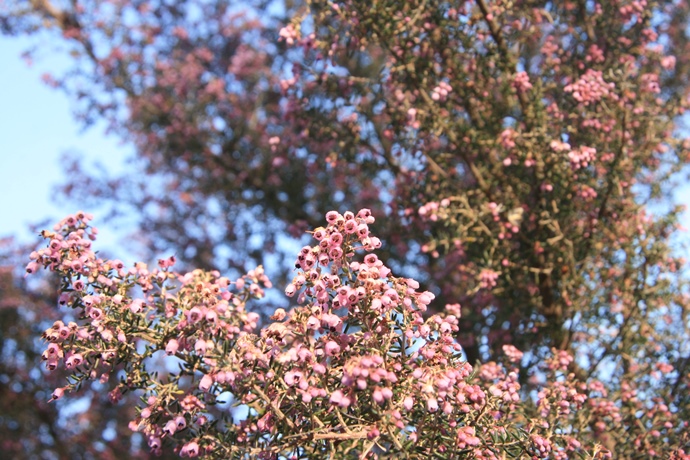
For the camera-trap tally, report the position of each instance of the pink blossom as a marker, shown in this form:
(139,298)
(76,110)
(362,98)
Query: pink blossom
(293,377)
(201,346)
(191,449)
(432,404)
(332,348)
(206,382)
(591,88)
(440,93)
(74,360)
(340,399)
(513,354)
(582,157)
(290,290)
(408,403)
(488,278)
(521,82)
(172,347)
(289,34)
(170,427)
(136,306)
(194,315)
(57,394)
(466,437)
(668,62)
(331,321)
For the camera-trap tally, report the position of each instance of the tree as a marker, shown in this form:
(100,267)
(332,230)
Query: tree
(511,152)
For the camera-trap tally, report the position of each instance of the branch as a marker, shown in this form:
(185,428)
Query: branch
(503,49)
(65,21)
(274,406)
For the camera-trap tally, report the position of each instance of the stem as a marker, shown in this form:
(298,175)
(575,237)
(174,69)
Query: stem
(279,413)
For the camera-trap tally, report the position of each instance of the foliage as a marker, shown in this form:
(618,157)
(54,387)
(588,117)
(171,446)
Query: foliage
(353,370)
(30,426)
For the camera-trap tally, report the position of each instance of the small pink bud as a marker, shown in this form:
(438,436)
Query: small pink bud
(332,348)
(172,347)
(408,402)
(206,382)
(57,394)
(191,449)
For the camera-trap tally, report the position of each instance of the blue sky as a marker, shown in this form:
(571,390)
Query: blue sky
(36,128)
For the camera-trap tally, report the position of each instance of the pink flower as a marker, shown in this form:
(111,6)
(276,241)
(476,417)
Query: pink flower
(335,253)
(350,226)
(582,157)
(331,321)
(313,323)
(290,290)
(73,361)
(333,216)
(591,88)
(542,445)
(521,82)
(668,62)
(57,394)
(172,347)
(332,348)
(382,394)
(466,437)
(211,316)
(338,398)
(155,443)
(408,403)
(514,355)
(52,352)
(136,306)
(425,299)
(194,315)
(191,449)
(180,422)
(289,34)
(432,404)
(108,355)
(206,382)
(201,346)
(365,214)
(335,239)
(293,377)
(170,428)
(487,278)
(441,92)
(32,267)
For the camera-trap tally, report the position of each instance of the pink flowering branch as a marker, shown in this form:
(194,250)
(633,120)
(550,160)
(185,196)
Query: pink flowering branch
(354,367)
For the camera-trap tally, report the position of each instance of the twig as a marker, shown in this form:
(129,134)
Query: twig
(274,406)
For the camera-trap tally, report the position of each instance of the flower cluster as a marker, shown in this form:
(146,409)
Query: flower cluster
(441,92)
(591,88)
(582,157)
(521,82)
(290,34)
(355,363)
